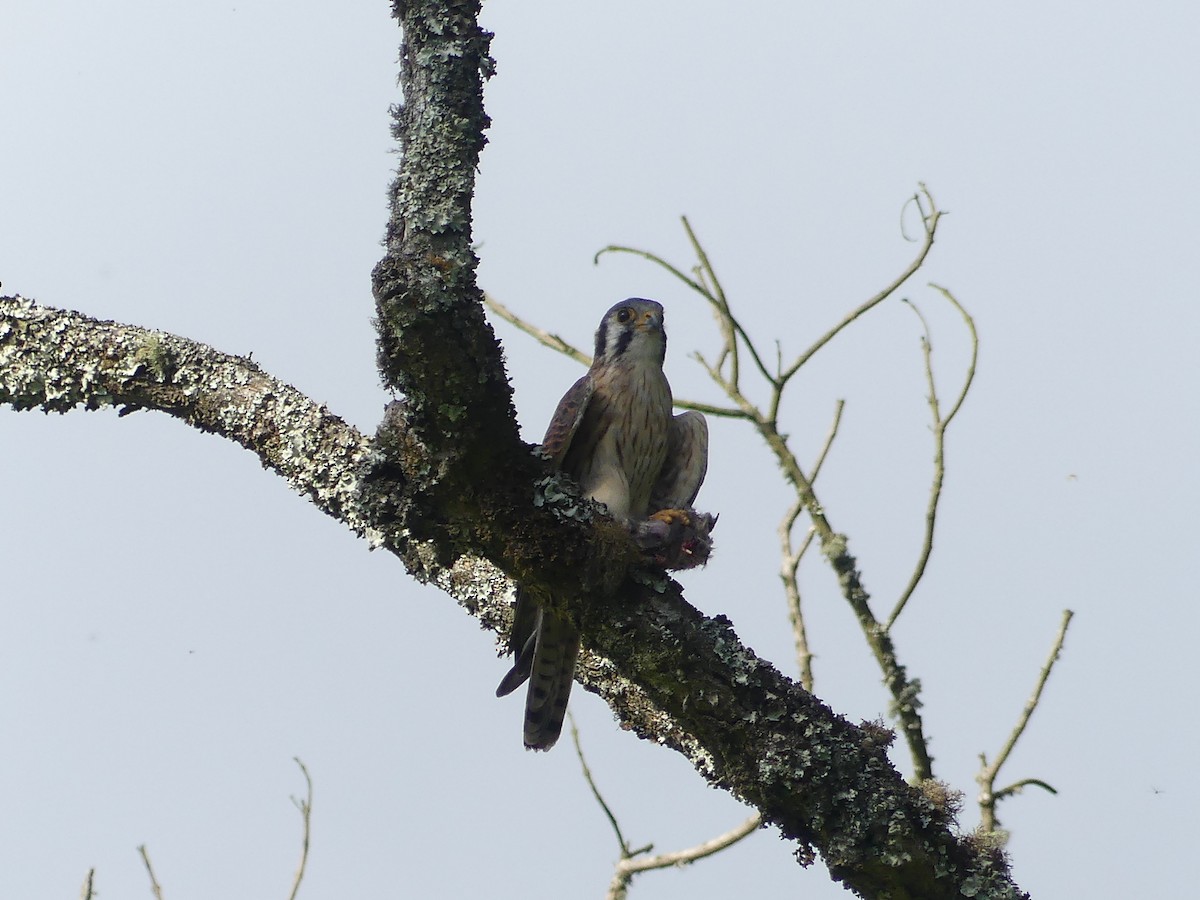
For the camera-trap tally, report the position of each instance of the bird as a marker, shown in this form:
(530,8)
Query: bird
(614,433)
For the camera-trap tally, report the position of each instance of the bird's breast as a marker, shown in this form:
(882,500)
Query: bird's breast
(624,439)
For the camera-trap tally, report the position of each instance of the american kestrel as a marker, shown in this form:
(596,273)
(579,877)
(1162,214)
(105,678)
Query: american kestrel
(613,432)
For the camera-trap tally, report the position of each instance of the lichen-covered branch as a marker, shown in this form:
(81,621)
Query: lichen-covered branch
(671,674)
(57,360)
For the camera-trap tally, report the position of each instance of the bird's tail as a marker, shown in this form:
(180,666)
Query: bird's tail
(550,678)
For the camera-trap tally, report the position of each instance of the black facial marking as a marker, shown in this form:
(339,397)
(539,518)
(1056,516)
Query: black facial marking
(623,340)
(601,338)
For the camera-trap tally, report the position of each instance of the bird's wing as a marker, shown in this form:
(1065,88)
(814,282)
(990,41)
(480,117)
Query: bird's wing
(687,462)
(565,421)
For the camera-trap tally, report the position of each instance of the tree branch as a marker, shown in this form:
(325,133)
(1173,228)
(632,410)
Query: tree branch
(941,421)
(989,797)
(305,807)
(155,887)
(56,360)
(629,866)
(447,479)
(631,860)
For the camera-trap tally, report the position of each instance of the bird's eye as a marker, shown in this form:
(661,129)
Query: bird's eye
(624,315)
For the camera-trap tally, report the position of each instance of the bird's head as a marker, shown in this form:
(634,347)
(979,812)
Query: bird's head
(632,331)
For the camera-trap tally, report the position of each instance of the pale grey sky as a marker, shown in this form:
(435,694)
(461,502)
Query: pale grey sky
(177,626)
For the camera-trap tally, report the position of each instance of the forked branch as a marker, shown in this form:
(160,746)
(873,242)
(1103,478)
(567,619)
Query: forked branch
(989,795)
(941,421)
(725,372)
(632,861)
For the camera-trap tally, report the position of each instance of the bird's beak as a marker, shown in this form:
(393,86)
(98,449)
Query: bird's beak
(650,321)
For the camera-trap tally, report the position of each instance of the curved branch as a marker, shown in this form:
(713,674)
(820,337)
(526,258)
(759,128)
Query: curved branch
(1017,786)
(305,807)
(941,422)
(929,221)
(56,360)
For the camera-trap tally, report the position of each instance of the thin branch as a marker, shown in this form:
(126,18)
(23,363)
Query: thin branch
(829,438)
(1017,786)
(591,782)
(929,220)
(719,300)
(940,424)
(553,341)
(627,868)
(305,807)
(791,561)
(155,887)
(628,865)
(986,778)
(658,261)
(721,412)
(88,890)
(970,376)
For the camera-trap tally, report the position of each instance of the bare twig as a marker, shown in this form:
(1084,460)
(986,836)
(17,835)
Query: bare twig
(789,566)
(791,561)
(587,776)
(88,891)
(724,412)
(940,424)
(305,807)
(989,796)
(1017,786)
(627,868)
(629,864)
(929,220)
(155,887)
(553,341)
(729,325)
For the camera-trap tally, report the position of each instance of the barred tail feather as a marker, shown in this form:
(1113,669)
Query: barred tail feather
(550,677)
